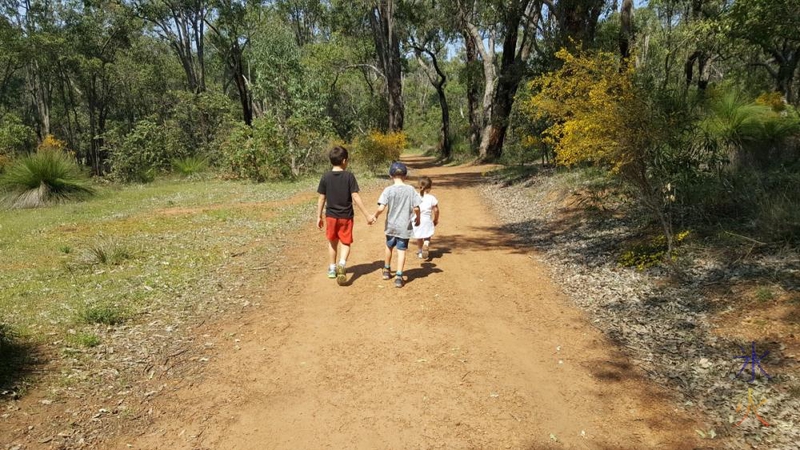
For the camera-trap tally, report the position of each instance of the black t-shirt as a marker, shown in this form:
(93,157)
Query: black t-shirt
(338,187)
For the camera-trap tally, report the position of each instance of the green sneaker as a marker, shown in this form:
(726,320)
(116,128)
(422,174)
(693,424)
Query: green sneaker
(387,274)
(398,282)
(341,278)
(332,273)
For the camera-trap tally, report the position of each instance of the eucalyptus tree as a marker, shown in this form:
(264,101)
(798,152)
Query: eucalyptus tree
(767,25)
(428,36)
(181,23)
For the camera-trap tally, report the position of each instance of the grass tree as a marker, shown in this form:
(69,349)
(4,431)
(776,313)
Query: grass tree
(44,178)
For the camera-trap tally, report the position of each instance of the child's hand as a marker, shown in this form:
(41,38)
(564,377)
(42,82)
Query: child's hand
(372,219)
(320,223)
(436,222)
(416,222)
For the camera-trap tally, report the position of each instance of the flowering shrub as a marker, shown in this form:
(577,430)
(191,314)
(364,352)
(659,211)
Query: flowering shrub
(377,149)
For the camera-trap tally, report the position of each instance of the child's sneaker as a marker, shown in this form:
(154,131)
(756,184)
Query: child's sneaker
(332,272)
(387,274)
(341,278)
(398,282)
(425,250)
(419,254)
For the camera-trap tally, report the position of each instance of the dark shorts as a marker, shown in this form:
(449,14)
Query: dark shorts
(394,241)
(339,229)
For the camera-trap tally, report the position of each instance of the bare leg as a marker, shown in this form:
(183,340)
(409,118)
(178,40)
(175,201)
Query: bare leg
(387,262)
(401,260)
(332,246)
(419,245)
(344,253)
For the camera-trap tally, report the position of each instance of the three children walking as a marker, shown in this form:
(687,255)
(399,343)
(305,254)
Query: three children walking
(408,215)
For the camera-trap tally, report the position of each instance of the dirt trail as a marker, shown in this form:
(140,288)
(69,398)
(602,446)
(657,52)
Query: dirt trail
(479,350)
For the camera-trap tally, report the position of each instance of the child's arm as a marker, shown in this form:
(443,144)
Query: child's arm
(416,216)
(320,205)
(435,215)
(381,208)
(361,207)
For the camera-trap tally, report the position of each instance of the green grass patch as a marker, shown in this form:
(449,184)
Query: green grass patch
(108,252)
(104,314)
(83,339)
(764,294)
(150,247)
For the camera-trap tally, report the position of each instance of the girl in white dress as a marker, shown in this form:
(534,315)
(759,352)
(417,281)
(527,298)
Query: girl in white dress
(429,218)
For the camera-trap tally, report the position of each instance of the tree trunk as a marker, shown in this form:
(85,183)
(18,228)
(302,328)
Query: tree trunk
(235,64)
(490,86)
(626,30)
(40,95)
(445,146)
(784,80)
(387,46)
(511,69)
(577,21)
(492,144)
(472,92)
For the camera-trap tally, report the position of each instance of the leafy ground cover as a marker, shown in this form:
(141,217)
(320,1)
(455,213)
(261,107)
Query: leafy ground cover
(70,271)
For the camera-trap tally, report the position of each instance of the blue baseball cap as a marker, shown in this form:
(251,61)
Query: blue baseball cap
(398,168)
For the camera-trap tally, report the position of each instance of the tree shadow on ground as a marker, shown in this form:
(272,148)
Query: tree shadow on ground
(662,320)
(18,361)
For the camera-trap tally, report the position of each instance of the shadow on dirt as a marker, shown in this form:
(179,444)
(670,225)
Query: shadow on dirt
(361,270)
(18,361)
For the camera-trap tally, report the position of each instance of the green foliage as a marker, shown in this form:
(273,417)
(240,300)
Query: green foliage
(190,165)
(104,314)
(15,137)
(147,149)
(84,339)
(44,178)
(739,123)
(649,253)
(245,151)
(195,121)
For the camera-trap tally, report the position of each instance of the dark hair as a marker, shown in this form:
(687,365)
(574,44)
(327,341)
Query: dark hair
(425,183)
(337,155)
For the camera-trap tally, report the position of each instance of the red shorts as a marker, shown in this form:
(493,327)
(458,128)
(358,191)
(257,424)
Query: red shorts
(341,229)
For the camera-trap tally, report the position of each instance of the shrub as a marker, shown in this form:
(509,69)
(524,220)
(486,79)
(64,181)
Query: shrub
(147,149)
(42,179)
(15,137)
(190,165)
(241,157)
(104,313)
(376,150)
(51,143)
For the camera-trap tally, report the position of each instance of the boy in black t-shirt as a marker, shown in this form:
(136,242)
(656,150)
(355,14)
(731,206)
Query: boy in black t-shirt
(339,189)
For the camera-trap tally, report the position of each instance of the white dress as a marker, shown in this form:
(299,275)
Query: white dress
(425,228)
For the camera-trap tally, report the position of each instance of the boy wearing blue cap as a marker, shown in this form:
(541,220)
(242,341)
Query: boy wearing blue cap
(403,203)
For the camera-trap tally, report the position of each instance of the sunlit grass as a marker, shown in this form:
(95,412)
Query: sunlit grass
(128,249)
